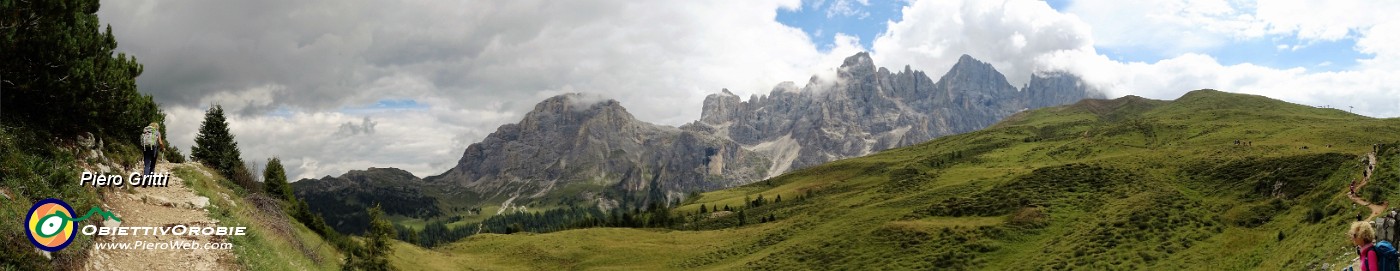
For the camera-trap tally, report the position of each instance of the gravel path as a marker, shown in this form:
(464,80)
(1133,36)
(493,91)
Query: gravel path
(175,204)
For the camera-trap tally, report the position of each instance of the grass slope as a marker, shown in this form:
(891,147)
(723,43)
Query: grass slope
(1129,183)
(274,241)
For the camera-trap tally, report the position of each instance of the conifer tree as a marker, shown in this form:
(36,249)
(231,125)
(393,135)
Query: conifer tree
(380,232)
(275,180)
(214,145)
(59,72)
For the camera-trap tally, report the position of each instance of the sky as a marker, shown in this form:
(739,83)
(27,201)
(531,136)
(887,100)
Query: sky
(331,86)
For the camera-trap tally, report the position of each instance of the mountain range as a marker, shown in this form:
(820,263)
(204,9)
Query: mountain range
(578,149)
(1123,184)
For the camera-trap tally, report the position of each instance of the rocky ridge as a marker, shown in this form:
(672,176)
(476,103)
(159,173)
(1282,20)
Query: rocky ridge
(578,148)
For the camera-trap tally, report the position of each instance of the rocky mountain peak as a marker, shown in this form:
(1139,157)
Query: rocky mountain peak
(967,64)
(1057,88)
(574,102)
(570,110)
(719,107)
(381,171)
(970,74)
(861,60)
(578,142)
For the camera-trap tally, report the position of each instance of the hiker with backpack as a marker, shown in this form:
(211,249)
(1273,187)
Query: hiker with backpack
(1373,256)
(150,146)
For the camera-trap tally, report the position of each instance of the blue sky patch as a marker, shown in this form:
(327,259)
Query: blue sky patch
(821,20)
(385,105)
(1278,53)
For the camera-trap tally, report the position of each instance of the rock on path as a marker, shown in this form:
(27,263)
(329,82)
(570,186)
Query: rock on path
(159,207)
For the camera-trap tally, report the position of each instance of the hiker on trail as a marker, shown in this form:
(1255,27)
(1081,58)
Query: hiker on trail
(150,146)
(1362,235)
(1373,255)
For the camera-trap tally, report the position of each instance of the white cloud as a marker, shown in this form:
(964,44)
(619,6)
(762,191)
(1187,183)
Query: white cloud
(1171,27)
(1011,35)
(474,65)
(847,8)
(316,144)
(1018,37)
(1324,20)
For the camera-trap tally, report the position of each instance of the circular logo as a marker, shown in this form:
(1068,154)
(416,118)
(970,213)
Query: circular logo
(50,224)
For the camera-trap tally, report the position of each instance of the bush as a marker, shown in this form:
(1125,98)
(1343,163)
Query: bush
(172,153)
(1072,185)
(1029,217)
(243,177)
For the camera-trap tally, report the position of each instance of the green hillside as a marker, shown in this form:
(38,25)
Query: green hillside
(1129,183)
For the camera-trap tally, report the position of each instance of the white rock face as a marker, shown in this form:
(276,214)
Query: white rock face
(868,109)
(574,139)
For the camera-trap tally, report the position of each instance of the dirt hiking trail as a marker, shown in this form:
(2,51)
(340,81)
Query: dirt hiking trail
(175,204)
(1376,210)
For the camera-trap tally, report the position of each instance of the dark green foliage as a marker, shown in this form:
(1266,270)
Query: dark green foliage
(903,180)
(214,145)
(171,153)
(1286,177)
(759,202)
(1029,217)
(374,254)
(344,210)
(244,177)
(1074,184)
(901,248)
(301,212)
(1254,215)
(58,72)
(1146,230)
(59,79)
(275,180)
(437,232)
(407,234)
(968,155)
(1320,210)
(1059,131)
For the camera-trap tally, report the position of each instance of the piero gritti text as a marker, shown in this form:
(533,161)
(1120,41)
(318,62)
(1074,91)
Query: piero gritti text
(158,179)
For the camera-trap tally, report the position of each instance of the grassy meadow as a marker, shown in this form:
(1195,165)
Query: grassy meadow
(1129,183)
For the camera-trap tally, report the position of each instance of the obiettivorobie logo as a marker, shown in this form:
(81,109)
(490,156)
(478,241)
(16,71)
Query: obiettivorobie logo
(51,227)
(50,224)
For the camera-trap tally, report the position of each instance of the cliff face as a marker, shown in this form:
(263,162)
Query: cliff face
(868,109)
(578,140)
(574,147)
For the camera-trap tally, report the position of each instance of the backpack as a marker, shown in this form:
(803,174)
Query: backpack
(150,138)
(1387,226)
(1386,257)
